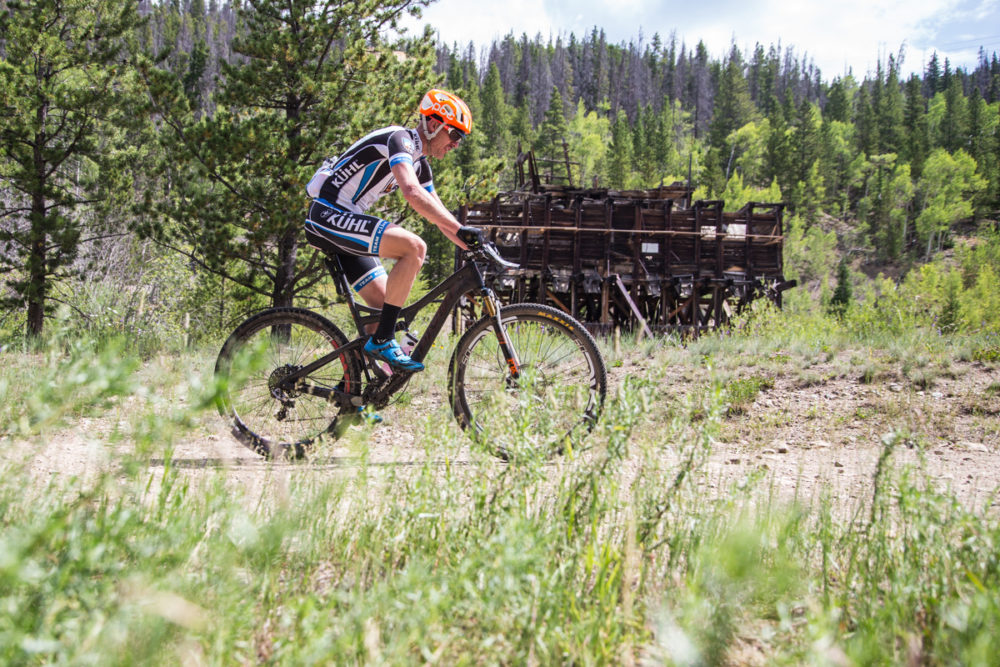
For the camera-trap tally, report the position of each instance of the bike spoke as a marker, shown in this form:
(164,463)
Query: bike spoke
(271,411)
(556,394)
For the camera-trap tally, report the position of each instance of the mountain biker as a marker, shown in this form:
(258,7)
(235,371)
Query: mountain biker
(376,165)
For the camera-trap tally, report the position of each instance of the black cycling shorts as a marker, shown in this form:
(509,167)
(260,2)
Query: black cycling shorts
(354,237)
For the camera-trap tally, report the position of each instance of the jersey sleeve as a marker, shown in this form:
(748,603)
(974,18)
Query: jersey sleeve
(424,174)
(400,148)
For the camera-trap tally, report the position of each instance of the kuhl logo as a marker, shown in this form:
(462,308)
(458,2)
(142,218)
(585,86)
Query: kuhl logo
(345,221)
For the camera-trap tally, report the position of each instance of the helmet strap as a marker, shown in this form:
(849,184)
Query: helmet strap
(427,133)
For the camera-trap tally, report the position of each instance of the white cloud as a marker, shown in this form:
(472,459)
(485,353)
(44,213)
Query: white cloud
(834,34)
(483,22)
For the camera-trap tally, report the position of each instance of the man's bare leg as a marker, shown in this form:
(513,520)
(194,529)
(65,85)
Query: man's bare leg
(373,294)
(409,251)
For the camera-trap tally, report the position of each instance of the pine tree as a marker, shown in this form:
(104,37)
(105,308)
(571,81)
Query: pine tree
(838,154)
(61,73)
(949,320)
(954,126)
(887,205)
(548,144)
(805,141)
(915,146)
(994,167)
(594,72)
(733,109)
(494,120)
(698,89)
(865,121)
(977,140)
(994,94)
(842,294)
(891,133)
(778,164)
(932,76)
(621,154)
(238,176)
(837,105)
(520,127)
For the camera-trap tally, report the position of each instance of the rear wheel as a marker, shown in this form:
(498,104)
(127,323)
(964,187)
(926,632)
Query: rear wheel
(276,418)
(555,400)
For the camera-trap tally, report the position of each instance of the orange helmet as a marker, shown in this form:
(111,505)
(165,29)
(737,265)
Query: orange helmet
(447,108)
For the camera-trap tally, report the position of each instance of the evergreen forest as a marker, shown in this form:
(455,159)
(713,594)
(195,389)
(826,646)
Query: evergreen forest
(155,152)
(185,130)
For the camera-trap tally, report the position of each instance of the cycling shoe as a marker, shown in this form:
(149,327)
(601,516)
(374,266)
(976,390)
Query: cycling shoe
(392,354)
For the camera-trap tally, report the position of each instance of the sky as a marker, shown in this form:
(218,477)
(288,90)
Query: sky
(836,35)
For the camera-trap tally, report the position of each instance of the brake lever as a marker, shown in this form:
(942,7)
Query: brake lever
(491,250)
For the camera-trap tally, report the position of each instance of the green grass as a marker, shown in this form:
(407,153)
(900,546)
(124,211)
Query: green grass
(742,392)
(622,551)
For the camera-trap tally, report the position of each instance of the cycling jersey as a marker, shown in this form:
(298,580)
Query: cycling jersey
(358,178)
(344,187)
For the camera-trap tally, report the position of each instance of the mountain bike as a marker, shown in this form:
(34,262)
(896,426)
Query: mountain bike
(522,376)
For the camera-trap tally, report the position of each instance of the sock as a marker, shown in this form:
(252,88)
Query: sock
(387,323)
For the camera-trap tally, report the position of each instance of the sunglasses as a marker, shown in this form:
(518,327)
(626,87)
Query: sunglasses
(455,135)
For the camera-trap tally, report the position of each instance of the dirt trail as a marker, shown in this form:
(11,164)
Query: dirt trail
(804,435)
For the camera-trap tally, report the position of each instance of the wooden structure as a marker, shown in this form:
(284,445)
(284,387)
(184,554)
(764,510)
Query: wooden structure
(647,259)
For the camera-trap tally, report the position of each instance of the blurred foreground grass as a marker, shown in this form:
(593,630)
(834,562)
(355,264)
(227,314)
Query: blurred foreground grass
(614,554)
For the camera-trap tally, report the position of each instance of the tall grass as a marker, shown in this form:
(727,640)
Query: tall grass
(619,552)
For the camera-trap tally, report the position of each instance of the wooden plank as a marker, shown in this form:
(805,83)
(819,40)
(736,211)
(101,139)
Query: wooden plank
(632,306)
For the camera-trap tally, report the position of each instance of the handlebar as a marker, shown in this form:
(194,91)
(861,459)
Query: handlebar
(480,248)
(490,250)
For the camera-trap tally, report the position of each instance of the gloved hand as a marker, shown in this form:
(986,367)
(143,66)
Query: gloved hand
(473,237)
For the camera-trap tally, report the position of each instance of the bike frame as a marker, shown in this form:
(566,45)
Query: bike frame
(469,278)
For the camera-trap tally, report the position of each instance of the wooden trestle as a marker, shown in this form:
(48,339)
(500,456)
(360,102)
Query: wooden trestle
(635,259)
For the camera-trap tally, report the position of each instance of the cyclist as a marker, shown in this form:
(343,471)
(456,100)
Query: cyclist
(346,186)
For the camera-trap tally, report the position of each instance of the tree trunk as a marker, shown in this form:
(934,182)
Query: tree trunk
(284,278)
(37,287)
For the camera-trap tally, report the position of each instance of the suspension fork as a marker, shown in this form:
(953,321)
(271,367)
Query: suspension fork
(492,305)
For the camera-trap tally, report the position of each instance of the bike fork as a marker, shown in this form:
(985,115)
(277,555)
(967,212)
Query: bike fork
(510,354)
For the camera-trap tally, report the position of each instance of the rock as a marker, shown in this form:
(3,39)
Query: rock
(822,444)
(838,464)
(767,451)
(973,446)
(782,450)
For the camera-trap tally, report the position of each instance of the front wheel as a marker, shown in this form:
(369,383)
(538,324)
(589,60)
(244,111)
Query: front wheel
(557,396)
(273,417)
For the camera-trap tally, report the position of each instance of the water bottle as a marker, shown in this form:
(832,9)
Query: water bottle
(410,339)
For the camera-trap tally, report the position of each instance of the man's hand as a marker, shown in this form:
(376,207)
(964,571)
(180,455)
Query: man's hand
(471,236)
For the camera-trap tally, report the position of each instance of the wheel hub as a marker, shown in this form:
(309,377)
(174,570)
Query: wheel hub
(276,383)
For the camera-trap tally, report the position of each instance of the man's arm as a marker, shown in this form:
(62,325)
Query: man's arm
(425,203)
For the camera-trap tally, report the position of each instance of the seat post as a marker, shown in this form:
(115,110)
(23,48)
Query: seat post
(332,263)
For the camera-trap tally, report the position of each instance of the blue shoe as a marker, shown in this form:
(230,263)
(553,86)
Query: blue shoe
(392,354)
(370,416)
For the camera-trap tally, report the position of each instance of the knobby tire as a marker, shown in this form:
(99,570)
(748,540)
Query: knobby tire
(275,420)
(557,398)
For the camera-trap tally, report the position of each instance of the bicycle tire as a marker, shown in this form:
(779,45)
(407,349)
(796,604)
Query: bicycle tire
(560,392)
(273,421)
